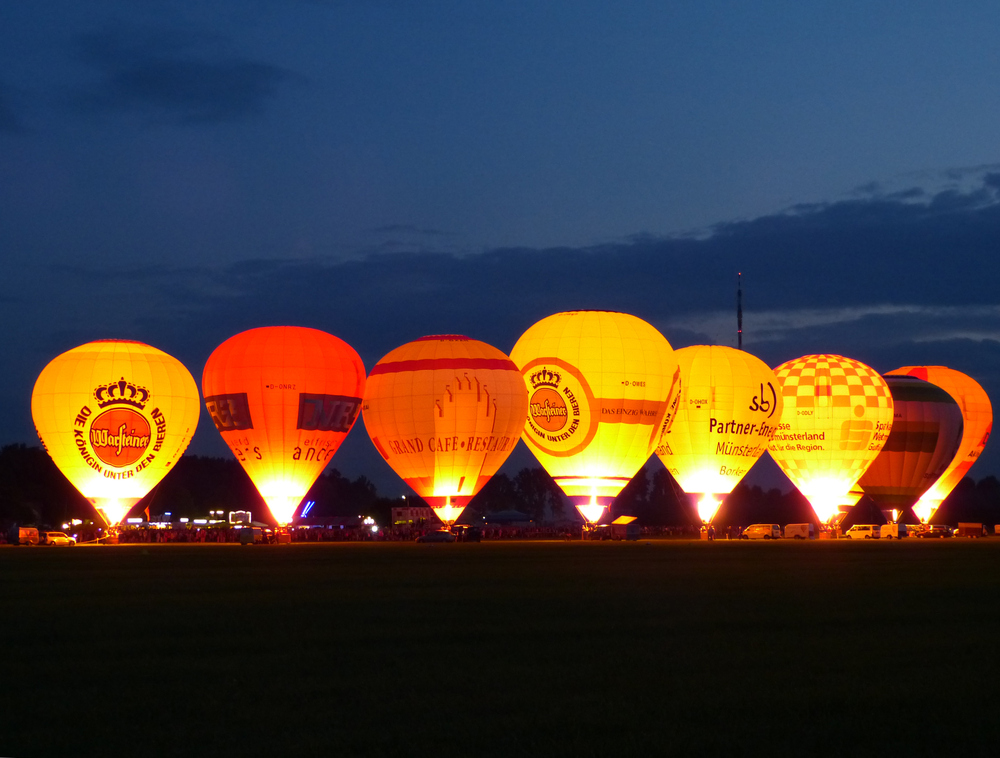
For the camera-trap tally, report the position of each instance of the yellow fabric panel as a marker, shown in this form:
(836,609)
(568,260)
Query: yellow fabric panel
(284,398)
(602,387)
(115,415)
(824,446)
(445,412)
(730,408)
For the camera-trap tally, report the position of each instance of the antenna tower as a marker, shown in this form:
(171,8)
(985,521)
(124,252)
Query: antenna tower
(739,311)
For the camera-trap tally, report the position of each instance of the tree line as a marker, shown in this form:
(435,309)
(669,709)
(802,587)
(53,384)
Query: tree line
(33,491)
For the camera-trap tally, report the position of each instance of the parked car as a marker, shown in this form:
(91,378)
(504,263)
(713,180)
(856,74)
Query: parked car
(863,532)
(936,531)
(442,535)
(894,531)
(761,532)
(55,538)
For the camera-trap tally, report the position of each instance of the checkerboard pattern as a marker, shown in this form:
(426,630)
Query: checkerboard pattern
(831,380)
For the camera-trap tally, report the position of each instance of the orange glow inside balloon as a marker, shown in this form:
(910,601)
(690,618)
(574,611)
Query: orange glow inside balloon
(444,412)
(708,506)
(836,417)
(729,410)
(283,398)
(977,415)
(925,437)
(115,416)
(602,388)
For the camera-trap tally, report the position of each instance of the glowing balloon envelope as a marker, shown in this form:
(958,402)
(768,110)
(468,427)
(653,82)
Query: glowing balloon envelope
(729,409)
(926,434)
(445,411)
(977,415)
(115,415)
(283,398)
(836,417)
(603,387)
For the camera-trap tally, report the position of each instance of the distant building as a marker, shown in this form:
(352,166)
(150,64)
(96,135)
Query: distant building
(413,514)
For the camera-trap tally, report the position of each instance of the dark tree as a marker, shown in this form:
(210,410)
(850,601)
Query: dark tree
(536,493)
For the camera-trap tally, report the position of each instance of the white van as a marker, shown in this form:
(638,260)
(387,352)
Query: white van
(894,531)
(761,532)
(800,532)
(863,532)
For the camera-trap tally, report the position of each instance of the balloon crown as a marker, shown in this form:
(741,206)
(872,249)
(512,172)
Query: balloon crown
(545,378)
(121,393)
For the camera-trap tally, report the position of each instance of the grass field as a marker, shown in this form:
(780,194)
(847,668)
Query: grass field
(583,649)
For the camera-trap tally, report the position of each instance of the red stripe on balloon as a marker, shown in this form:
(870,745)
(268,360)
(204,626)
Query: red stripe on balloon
(434,364)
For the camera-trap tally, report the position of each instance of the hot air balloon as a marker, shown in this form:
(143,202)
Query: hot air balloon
(283,398)
(836,417)
(729,409)
(445,411)
(926,434)
(115,416)
(977,415)
(603,387)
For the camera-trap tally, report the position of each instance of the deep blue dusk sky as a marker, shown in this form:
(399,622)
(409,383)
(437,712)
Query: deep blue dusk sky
(176,172)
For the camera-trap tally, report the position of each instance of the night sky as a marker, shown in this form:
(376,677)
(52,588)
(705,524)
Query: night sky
(176,172)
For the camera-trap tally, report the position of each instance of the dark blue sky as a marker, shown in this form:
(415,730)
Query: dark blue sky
(176,172)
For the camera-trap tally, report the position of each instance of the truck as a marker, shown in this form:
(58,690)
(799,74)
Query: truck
(800,532)
(970,529)
(22,535)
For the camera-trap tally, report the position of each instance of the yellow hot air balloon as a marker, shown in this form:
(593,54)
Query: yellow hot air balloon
(729,409)
(283,398)
(445,411)
(115,416)
(977,415)
(603,387)
(836,417)
(926,434)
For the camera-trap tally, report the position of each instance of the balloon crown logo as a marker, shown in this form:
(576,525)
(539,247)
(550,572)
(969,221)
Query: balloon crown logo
(121,393)
(545,378)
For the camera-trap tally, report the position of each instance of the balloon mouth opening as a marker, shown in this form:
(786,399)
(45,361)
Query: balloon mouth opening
(708,506)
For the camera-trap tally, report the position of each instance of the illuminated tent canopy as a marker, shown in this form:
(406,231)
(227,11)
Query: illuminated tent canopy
(602,388)
(836,417)
(283,398)
(444,412)
(729,410)
(115,415)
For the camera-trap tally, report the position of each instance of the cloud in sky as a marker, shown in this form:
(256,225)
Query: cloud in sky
(887,281)
(174,78)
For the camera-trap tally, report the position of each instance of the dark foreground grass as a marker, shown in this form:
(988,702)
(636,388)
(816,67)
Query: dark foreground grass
(502,649)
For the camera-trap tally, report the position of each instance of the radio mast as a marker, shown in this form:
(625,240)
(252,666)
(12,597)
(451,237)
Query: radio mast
(739,311)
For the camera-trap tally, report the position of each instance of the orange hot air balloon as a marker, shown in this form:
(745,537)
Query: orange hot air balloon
(115,416)
(836,417)
(283,398)
(603,388)
(926,434)
(977,415)
(445,411)
(729,410)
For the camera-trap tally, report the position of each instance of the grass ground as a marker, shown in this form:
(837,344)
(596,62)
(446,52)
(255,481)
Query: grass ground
(582,649)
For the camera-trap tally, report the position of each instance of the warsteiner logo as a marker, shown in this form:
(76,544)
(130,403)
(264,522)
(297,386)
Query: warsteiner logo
(548,409)
(559,412)
(119,436)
